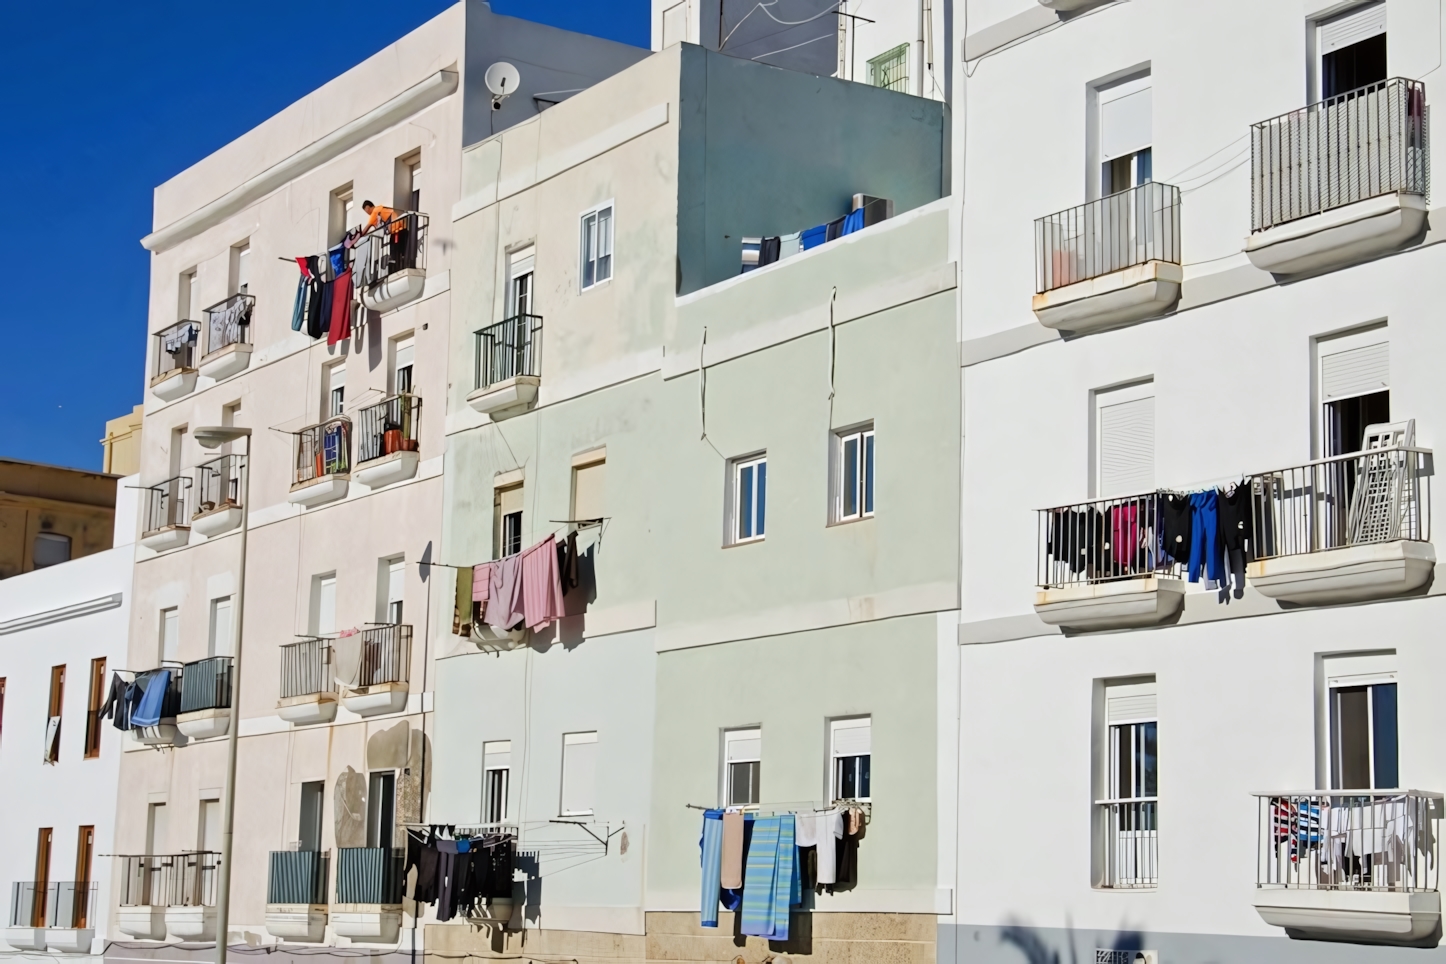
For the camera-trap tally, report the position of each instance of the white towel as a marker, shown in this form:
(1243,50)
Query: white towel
(820,830)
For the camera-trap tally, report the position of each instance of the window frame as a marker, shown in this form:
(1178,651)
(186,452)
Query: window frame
(1109,397)
(834,783)
(214,642)
(731,736)
(895,58)
(577,738)
(506,780)
(758,508)
(332,404)
(94,701)
(864,476)
(596,213)
(161,636)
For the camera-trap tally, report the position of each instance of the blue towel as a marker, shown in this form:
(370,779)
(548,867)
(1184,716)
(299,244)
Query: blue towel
(813,237)
(787,887)
(712,845)
(298,307)
(759,868)
(854,222)
(154,700)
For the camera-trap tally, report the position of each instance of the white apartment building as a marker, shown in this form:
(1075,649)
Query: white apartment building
(63,631)
(279,307)
(1199,308)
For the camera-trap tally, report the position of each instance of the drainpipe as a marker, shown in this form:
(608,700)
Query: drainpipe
(919,87)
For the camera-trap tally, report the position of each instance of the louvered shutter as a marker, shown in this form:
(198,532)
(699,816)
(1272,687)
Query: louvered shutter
(1131,703)
(1359,371)
(1360,24)
(1127,447)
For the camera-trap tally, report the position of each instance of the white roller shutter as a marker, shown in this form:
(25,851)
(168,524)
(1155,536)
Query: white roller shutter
(1359,371)
(1359,24)
(1125,125)
(1127,447)
(1131,703)
(853,738)
(497,755)
(579,772)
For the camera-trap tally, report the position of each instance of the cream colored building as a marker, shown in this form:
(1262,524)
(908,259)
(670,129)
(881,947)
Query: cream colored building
(343,496)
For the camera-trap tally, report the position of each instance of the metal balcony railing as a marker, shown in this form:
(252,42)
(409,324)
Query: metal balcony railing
(1130,844)
(386,654)
(219,483)
(399,245)
(229,322)
(297,877)
(1379,495)
(323,449)
(390,425)
(306,668)
(1365,840)
(169,880)
(176,347)
(508,349)
(168,504)
(1116,232)
(369,875)
(1103,540)
(206,685)
(1372,496)
(1371,141)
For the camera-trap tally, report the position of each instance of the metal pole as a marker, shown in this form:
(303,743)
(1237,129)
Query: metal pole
(228,813)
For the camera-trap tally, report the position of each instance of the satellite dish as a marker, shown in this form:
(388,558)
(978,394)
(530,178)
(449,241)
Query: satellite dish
(502,79)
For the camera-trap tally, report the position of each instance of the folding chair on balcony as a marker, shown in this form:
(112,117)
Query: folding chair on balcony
(1383,501)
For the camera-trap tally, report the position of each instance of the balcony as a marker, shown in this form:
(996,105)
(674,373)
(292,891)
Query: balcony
(369,882)
(509,366)
(323,463)
(1345,529)
(205,709)
(389,263)
(219,484)
(56,916)
(1130,843)
(171,894)
(1340,181)
(386,442)
(167,514)
(1350,865)
(228,337)
(175,369)
(1109,262)
(1101,566)
(308,685)
(296,895)
(160,731)
(374,666)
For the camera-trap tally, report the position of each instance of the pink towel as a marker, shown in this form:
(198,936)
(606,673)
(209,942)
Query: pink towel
(541,590)
(504,594)
(481,581)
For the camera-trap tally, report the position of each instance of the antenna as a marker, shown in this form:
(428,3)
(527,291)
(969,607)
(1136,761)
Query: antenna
(501,79)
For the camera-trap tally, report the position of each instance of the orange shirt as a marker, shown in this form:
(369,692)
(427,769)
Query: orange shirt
(382,214)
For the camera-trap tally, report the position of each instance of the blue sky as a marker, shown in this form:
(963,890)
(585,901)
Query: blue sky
(103,101)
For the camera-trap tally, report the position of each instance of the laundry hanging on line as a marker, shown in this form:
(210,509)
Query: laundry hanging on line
(523,590)
(460,873)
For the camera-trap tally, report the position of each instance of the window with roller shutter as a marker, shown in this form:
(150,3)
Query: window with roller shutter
(579,773)
(1355,381)
(1125,440)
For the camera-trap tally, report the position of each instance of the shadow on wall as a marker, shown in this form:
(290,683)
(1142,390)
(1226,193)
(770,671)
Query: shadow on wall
(1036,951)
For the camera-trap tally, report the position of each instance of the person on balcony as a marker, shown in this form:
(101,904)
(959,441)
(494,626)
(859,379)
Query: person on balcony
(379,215)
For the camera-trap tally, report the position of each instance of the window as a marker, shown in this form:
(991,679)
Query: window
(335,398)
(170,634)
(308,832)
(507,521)
(381,809)
(1125,440)
(1352,50)
(241,268)
(403,350)
(84,860)
(396,585)
(519,283)
(597,246)
(579,773)
(158,836)
(43,842)
(52,721)
(890,69)
(50,549)
(340,214)
(496,777)
(414,185)
(853,474)
(323,605)
(219,641)
(208,827)
(851,749)
(188,297)
(589,472)
(93,703)
(1355,387)
(742,766)
(750,487)
(1131,784)
(1364,752)
(1124,134)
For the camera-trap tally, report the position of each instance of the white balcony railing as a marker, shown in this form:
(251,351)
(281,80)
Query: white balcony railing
(1349,840)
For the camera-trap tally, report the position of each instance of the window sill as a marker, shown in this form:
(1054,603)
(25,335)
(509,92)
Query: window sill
(851,520)
(596,285)
(744,542)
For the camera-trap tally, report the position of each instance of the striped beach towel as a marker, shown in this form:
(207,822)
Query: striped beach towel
(771,882)
(712,845)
